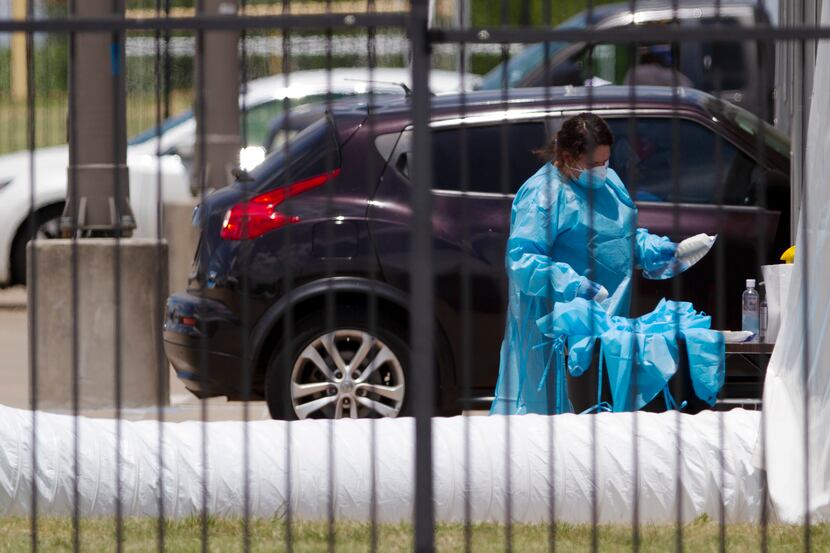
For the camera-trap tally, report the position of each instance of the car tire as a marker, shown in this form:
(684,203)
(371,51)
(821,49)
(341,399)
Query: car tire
(314,384)
(48,216)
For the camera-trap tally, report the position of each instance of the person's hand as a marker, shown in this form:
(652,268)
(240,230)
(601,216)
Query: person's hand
(590,290)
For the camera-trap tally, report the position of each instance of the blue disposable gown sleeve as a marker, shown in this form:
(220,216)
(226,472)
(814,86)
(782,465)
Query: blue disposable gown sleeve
(653,253)
(529,265)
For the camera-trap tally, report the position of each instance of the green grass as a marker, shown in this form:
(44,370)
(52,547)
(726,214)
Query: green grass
(50,118)
(55,534)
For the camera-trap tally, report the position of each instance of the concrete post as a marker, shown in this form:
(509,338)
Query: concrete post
(182,239)
(92,314)
(98,180)
(217,101)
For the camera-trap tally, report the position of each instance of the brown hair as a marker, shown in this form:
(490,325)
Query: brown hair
(577,135)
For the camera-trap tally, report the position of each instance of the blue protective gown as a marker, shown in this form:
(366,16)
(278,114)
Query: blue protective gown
(639,355)
(561,234)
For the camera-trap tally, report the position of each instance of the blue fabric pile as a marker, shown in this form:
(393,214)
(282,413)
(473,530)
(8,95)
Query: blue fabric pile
(640,354)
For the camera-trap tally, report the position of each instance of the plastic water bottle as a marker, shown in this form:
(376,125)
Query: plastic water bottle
(750,310)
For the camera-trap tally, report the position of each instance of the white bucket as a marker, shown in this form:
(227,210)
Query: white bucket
(776,287)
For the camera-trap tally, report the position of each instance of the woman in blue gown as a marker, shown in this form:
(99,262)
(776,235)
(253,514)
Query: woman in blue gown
(572,235)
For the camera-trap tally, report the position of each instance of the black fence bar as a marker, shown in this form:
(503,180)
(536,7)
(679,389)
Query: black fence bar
(481,35)
(669,33)
(32,270)
(161,94)
(207,23)
(421,281)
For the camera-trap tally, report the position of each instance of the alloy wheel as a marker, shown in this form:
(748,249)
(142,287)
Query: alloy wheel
(347,373)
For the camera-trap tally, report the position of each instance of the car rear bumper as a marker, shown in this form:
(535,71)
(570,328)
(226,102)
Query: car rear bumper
(205,373)
(197,345)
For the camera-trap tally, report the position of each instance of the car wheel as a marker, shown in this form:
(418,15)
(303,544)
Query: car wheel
(340,370)
(47,226)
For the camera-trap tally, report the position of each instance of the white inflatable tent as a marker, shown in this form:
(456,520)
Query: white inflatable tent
(797,388)
(550,465)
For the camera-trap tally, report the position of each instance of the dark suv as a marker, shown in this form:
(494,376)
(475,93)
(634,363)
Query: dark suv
(312,248)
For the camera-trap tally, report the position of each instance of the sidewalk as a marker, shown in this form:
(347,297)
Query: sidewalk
(13,298)
(15,382)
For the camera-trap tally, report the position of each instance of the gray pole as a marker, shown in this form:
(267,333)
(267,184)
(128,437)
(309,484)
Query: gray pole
(98,179)
(217,118)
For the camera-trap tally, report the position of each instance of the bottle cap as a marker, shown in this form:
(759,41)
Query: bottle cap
(750,283)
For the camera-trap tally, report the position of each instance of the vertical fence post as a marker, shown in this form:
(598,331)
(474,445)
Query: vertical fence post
(421,287)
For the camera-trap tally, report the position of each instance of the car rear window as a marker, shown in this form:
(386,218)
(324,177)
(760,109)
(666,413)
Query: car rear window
(313,151)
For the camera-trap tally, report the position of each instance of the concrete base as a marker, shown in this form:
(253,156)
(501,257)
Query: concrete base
(53,322)
(182,239)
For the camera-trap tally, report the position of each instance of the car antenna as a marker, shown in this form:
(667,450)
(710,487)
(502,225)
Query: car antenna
(406,90)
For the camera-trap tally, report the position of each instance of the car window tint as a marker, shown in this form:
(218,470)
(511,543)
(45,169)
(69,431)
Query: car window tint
(313,151)
(522,66)
(485,159)
(707,170)
(654,64)
(603,64)
(257,120)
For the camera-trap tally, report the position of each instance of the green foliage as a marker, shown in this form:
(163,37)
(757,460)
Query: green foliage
(5,71)
(528,12)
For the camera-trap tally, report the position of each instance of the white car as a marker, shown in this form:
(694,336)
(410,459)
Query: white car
(263,101)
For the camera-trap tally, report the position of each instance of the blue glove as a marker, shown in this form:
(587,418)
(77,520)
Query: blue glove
(662,261)
(666,252)
(590,290)
(672,259)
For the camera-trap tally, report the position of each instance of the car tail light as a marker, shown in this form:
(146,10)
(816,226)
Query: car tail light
(259,215)
(189,321)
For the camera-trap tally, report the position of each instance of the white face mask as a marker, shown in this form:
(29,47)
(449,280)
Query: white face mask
(593,177)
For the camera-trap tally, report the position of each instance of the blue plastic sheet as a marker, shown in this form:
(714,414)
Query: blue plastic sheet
(640,355)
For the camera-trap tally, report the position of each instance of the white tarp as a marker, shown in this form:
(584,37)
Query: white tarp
(785,395)
(537,472)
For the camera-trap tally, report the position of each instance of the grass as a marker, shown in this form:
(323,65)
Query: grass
(55,534)
(50,118)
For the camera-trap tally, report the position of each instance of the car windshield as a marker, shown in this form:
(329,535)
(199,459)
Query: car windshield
(529,59)
(165,126)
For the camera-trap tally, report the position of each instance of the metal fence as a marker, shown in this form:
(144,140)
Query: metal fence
(401,266)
